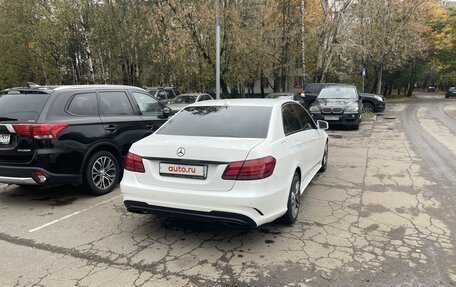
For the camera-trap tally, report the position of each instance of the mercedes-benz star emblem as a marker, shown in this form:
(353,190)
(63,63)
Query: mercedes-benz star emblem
(180,152)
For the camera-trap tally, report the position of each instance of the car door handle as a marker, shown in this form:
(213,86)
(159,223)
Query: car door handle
(111,128)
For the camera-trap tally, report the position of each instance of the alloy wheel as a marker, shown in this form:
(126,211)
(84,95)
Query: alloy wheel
(295,199)
(104,172)
(368,108)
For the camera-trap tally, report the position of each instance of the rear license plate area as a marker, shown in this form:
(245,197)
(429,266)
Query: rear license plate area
(183,170)
(5,139)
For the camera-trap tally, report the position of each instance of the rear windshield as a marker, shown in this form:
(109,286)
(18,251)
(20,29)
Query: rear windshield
(220,121)
(22,107)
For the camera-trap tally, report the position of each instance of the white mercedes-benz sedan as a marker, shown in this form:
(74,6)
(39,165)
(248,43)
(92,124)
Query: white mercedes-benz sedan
(243,162)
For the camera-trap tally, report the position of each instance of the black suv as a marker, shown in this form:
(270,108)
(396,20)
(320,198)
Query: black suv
(338,105)
(73,134)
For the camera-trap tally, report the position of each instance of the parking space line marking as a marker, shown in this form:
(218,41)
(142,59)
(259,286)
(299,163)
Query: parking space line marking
(73,214)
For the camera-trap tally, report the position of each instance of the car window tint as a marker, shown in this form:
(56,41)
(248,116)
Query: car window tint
(220,121)
(304,118)
(170,94)
(22,107)
(115,104)
(291,123)
(313,88)
(148,105)
(84,105)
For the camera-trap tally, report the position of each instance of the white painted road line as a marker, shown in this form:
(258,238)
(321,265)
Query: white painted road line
(73,214)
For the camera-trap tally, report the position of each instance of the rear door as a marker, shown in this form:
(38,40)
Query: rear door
(122,124)
(151,112)
(298,141)
(16,111)
(311,134)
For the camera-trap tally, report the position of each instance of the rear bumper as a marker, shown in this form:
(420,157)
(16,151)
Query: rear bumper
(26,176)
(231,219)
(380,107)
(18,180)
(248,204)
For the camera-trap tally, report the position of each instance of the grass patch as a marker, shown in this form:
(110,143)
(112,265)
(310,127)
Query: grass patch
(369,116)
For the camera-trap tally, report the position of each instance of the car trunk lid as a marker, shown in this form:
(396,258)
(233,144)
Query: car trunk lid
(17,112)
(188,162)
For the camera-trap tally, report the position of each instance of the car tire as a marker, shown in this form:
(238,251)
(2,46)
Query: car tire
(294,199)
(324,160)
(368,108)
(101,173)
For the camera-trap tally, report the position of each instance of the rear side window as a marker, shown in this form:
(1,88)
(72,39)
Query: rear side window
(220,121)
(291,123)
(115,104)
(306,121)
(84,105)
(170,94)
(22,107)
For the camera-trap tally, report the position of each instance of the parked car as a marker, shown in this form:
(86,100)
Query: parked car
(73,134)
(288,96)
(451,92)
(241,162)
(373,103)
(431,89)
(339,105)
(184,100)
(164,95)
(312,90)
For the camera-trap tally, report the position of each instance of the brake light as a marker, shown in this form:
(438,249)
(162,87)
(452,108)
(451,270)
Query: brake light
(250,169)
(134,163)
(39,131)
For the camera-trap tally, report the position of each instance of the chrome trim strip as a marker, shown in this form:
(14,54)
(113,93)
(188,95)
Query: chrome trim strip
(18,180)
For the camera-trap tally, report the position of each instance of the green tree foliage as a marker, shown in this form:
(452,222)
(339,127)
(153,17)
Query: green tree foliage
(172,42)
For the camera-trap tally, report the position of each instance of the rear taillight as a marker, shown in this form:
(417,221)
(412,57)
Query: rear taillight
(250,169)
(39,131)
(303,93)
(134,163)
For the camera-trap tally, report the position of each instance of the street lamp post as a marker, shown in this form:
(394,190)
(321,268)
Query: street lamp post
(303,44)
(217,48)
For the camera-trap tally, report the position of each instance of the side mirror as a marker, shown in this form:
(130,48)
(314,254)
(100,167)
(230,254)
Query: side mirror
(166,112)
(322,125)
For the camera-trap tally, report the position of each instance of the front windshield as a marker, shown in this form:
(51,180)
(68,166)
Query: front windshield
(184,99)
(338,93)
(279,96)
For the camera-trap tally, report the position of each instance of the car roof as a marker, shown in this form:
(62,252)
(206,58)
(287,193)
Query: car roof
(50,89)
(281,93)
(243,102)
(338,86)
(192,94)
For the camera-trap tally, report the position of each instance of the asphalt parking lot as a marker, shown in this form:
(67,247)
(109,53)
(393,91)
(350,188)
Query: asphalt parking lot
(383,214)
